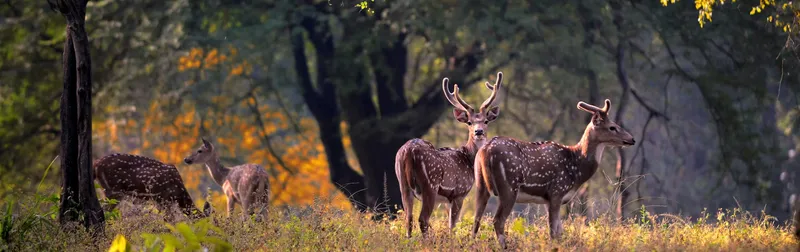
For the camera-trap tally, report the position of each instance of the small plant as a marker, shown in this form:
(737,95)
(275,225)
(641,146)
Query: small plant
(41,212)
(644,216)
(183,237)
(112,214)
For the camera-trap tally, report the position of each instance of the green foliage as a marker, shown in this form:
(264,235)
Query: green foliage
(17,226)
(106,203)
(183,237)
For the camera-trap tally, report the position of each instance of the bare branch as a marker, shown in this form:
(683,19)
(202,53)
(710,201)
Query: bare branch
(262,127)
(649,108)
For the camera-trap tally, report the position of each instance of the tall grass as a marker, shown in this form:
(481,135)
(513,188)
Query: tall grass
(28,223)
(321,228)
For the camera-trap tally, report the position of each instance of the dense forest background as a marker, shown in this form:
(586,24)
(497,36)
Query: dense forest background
(323,93)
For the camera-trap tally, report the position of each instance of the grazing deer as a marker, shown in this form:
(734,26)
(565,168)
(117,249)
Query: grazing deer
(246,184)
(542,172)
(444,174)
(137,177)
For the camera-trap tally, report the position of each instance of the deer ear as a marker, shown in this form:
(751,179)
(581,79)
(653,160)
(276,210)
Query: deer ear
(597,119)
(461,115)
(206,143)
(492,114)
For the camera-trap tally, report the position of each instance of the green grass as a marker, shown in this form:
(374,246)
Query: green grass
(321,228)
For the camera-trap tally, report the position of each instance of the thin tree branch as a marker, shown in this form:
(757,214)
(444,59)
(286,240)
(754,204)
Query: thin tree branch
(267,140)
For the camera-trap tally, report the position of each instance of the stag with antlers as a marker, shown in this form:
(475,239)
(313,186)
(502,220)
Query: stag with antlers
(444,174)
(246,184)
(542,172)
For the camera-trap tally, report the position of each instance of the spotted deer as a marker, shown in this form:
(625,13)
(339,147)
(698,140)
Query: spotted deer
(125,176)
(542,172)
(246,184)
(444,174)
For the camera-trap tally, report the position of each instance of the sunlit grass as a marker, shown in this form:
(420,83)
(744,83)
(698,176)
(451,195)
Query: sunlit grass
(320,227)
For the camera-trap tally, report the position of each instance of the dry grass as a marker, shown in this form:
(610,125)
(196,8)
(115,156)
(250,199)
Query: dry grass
(322,228)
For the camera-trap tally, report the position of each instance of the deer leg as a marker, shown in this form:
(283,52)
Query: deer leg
(507,199)
(408,207)
(231,201)
(247,208)
(428,203)
(455,211)
(164,207)
(262,214)
(553,213)
(481,199)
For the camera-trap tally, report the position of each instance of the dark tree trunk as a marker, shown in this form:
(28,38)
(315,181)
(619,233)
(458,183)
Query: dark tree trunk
(323,106)
(68,211)
(93,213)
(797,220)
(78,193)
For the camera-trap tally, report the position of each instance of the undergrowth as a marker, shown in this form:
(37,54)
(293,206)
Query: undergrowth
(32,227)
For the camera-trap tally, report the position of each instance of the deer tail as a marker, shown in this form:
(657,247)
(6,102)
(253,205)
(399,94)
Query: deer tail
(263,191)
(482,174)
(402,167)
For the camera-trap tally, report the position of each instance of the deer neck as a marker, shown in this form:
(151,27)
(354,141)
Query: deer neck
(589,153)
(472,146)
(218,172)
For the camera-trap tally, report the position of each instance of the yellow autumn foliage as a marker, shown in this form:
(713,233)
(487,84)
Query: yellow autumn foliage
(784,14)
(171,137)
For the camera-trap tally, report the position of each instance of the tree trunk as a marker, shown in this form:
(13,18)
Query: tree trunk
(623,192)
(797,220)
(379,176)
(350,183)
(322,104)
(68,211)
(93,213)
(78,193)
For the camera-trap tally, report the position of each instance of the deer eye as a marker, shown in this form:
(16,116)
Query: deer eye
(199,151)
(612,128)
(469,123)
(486,122)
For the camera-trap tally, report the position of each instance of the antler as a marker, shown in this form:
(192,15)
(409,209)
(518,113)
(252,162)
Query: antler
(497,83)
(594,109)
(588,107)
(606,106)
(453,97)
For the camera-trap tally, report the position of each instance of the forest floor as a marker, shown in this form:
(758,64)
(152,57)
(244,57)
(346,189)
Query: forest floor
(322,228)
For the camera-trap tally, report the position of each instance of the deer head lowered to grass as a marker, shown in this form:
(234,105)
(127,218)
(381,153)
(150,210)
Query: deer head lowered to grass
(542,172)
(246,184)
(125,176)
(444,174)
